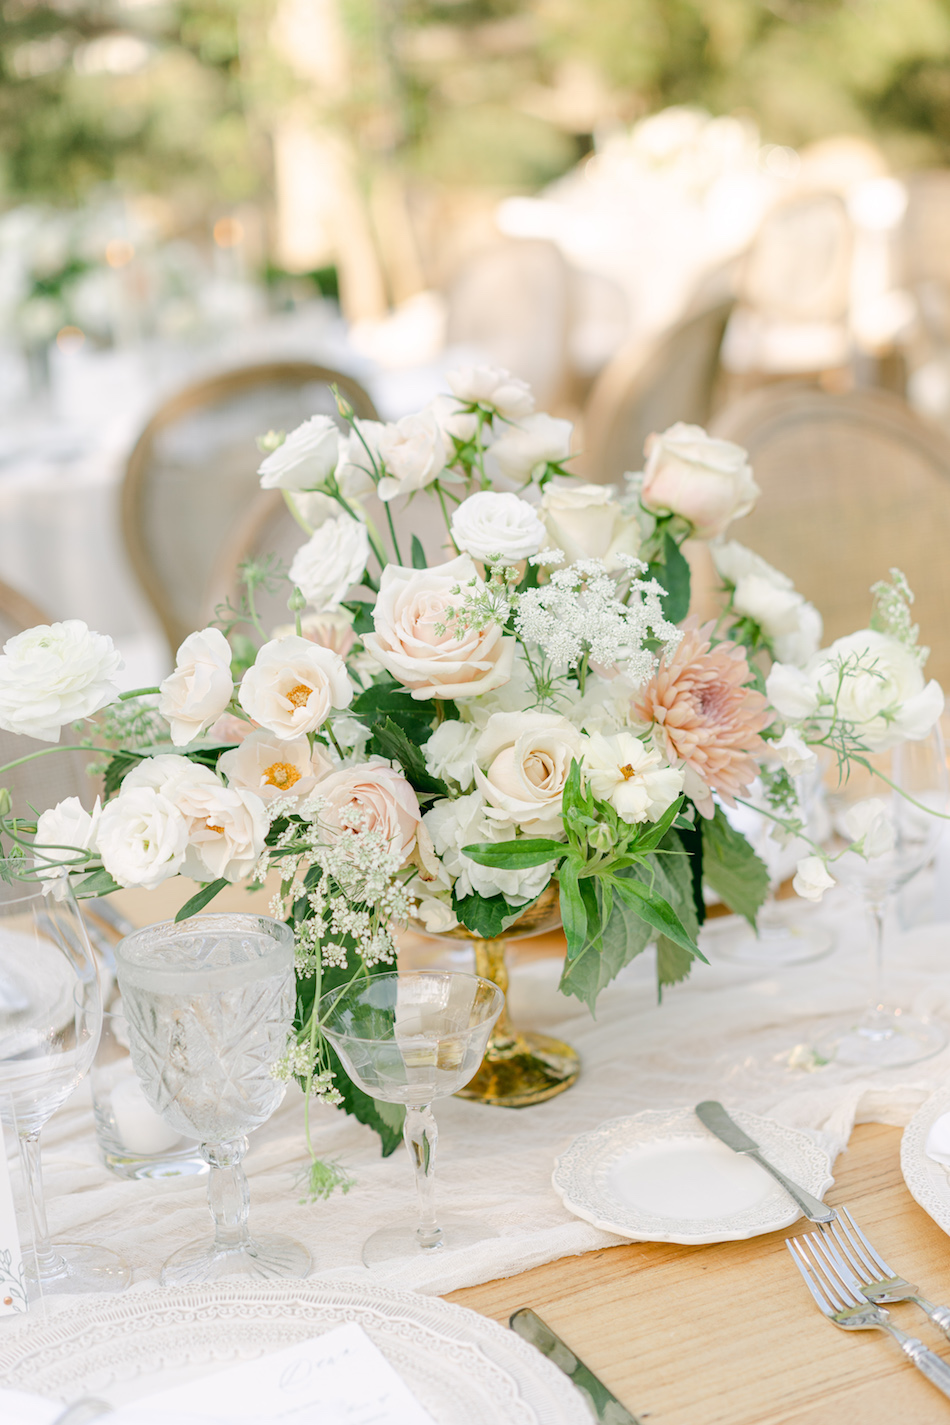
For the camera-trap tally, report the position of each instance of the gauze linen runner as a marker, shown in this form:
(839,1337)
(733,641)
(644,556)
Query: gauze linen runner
(727,1033)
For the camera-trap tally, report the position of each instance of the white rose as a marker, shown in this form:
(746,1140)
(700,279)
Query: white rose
(493,387)
(588,523)
(200,688)
(454,421)
(332,560)
(308,455)
(274,767)
(635,779)
(450,752)
(414,454)
(55,674)
(454,824)
(226,830)
(812,879)
(353,474)
(488,525)
(373,796)
(64,826)
(794,753)
(292,685)
(411,606)
(791,692)
(706,481)
(528,757)
(167,773)
(524,450)
(142,838)
(871,827)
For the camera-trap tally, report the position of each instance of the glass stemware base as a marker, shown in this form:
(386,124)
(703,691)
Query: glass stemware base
(884,1039)
(265,1258)
(787,936)
(77,1267)
(408,1239)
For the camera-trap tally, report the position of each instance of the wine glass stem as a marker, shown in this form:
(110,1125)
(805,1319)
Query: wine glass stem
(228,1194)
(422,1136)
(877,909)
(48,1261)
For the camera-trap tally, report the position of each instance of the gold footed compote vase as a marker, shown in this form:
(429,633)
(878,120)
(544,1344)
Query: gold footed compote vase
(520,1066)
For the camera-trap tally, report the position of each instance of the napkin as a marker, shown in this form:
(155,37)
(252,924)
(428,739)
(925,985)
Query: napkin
(937,1146)
(18,1408)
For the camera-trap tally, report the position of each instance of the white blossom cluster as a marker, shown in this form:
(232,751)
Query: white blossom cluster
(295,1063)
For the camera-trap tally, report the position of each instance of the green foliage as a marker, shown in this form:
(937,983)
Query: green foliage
(389,699)
(120,763)
(488,917)
(390,741)
(731,868)
(672,571)
(201,898)
(321,1177)
(97,883)
(418,554)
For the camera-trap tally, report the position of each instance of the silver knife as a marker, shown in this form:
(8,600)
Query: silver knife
(605,1406)
(728,1131)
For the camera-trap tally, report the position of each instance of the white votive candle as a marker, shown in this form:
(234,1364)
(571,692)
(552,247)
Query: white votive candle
(138,1126)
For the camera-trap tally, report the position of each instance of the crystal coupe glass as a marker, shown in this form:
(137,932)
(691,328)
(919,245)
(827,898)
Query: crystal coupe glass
(210,1004)
(410,1037)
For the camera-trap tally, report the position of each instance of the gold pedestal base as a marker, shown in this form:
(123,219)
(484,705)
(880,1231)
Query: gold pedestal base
(521,1068)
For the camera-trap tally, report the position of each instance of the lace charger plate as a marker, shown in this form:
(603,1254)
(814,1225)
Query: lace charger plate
(928,1182)
(463,1368)
(661,1176)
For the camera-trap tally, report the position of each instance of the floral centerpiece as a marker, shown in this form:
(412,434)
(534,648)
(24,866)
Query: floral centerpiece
(441,737)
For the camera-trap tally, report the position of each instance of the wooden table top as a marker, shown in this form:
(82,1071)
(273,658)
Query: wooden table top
(723,1334)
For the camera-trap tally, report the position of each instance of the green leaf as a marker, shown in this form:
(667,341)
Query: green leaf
(201,898)
(418,554)
(362,611)
(97,883)
(624,936)
(120,763)
(672,963)
(390,699)
(690,837)
(731,867)
(672,571)
(574,909)
(390,741)
(488,917)
(656,912)
(516,855)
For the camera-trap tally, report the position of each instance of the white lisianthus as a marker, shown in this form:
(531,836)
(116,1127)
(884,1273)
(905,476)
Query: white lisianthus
(414,454)
(812,879)
(200,688)
(292,685)
(707,482)
(528,759)
(634,778)
(488,525)
(871,827)
(305,459)
(465,822)
(454,422)
(587,522)
(273,768)
(794,753)
(55,674)
(523,451)
(494,388)
(450,752)
(333,559)
(64,826)
(357,450)
(792,626)
(142,837)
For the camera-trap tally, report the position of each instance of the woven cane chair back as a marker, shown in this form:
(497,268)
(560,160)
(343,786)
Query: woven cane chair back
(193,475)
(852,485)
(799,265)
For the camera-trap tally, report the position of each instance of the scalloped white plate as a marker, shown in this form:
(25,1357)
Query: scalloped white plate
(928,1182)
(661,1176)
(463,1368)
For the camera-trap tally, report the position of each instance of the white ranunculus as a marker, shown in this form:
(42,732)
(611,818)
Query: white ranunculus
(488,525)
(333,559)
(812,879)
(142,837)
(706,481)
(411,606)
(353,474)
(493,387)
(794,753)
(200,688)
(870,825)
(454,824)
(524,450)
(308,455)
(273,767)
(587,522)
(55,674)
(528,759)
(634,778)
(414,454)
(450,752)
(292,685)
(64,826)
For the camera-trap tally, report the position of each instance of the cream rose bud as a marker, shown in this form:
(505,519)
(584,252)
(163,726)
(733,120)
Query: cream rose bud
(528,758)
(706,481)
(488,525)
(415,639)
(305,459)
(292,685)
(523,451)
(450,752)
(494,387)
(64,826)
(635,779)
(55,674)
(372,796)
(272,767)
(870,826)
(812,879)
(587,522)
(794,753)
(200,688)
(333,559)
(465,822)
(142,837)
(413,453)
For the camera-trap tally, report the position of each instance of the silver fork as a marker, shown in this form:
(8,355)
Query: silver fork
(878,1282)
(837,1294)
